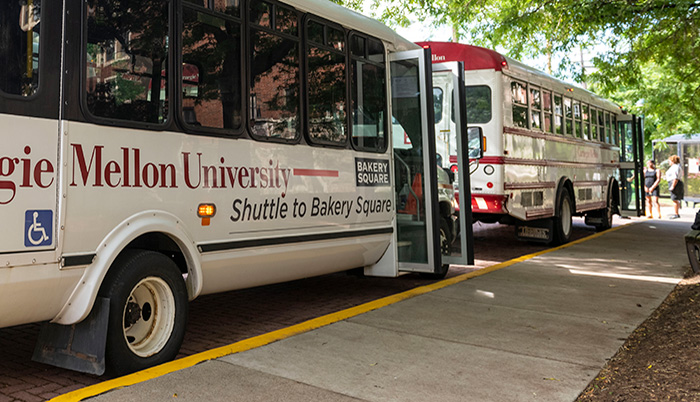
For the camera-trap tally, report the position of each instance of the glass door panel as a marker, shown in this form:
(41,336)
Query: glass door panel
(414,162)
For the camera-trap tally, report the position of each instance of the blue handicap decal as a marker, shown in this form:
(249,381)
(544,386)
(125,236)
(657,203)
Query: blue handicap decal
(38,228)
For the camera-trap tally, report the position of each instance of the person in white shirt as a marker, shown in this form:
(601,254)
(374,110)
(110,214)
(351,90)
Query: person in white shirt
(675,184)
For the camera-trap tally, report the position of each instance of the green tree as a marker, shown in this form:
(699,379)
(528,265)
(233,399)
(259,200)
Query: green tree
(651,67)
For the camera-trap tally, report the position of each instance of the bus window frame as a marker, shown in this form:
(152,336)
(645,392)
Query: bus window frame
(248,60)
(490,97)
(547,112)
(532,110)
(99,120)
(309,17)
(586,120)
(558,113)
(85,110)
(39,70)
(514,82)
(578,126)
(179,116)
(387,112)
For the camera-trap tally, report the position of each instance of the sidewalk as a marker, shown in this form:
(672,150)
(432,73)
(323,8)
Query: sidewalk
(539,329)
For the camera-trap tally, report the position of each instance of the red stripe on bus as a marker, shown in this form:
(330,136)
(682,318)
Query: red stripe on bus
(493,160)
(315,172)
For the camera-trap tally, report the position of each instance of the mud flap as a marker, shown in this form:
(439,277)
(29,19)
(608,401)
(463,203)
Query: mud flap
(79,347)
(540,230)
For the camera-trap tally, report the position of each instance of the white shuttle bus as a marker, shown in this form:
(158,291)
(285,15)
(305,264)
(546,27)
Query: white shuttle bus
(157,150)
(551,150)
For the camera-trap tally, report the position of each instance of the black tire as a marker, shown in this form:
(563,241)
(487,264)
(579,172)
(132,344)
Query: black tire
(445,249)
(606,214)
(147,311)
(563,223)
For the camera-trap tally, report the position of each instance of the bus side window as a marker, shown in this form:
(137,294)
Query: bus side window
(368,89)
(558,129)
(577,119)
(127,50)
(547,111)
(19,47)
(594,124)
(568,117)
(535,108)
(274,75)
(438,96)
(211,70)
(586,122)
(519,97)
(326,83)
(478,104)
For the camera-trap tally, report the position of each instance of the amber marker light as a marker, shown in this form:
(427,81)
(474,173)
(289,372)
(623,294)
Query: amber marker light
(206,212)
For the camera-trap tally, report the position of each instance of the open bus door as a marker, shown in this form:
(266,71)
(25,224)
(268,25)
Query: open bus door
(421,228)
(631,164)
(452,140)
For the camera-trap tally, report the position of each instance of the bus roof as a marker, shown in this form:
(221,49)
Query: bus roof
(479,58)
(353,20)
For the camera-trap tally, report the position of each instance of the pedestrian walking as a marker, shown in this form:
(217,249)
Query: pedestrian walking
(675,184)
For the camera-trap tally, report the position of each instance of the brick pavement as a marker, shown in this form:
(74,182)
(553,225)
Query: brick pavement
(222,319)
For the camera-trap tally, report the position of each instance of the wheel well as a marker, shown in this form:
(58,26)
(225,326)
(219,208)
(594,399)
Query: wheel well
(163,244)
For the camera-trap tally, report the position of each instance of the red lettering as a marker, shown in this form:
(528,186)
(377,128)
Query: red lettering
(111,168)
(84,168)
(152,180)
(39,170)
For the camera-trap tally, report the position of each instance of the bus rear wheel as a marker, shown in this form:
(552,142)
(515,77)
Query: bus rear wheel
(606,215)
(148,311)
(562,221)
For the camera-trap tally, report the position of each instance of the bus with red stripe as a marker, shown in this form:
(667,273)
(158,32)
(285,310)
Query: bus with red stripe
(551,149)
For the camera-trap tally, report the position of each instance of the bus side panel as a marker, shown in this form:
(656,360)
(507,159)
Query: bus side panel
(32,287)
(266,195)
(28,183)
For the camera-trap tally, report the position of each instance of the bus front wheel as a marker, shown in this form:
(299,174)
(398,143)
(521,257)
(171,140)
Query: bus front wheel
(147,311)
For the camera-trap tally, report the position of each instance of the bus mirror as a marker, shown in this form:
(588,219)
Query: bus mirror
(475,137)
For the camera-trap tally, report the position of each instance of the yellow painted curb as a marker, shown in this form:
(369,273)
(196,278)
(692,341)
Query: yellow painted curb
(270,337)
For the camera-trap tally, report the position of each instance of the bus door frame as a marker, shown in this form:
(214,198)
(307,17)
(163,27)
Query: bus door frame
(466,232)
(636,182)
(431,262)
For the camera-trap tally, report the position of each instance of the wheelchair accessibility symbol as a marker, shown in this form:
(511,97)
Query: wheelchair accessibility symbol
(38,227)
